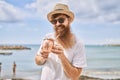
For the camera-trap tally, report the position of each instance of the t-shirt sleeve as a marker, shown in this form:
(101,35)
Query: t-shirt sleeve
(79,58)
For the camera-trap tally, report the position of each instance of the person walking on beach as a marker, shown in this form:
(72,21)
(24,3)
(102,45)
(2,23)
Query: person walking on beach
(61,54)
(0,68)
(14,68)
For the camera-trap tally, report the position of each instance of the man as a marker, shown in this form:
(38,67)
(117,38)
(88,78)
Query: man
(14,68)
(0,68)
(66,58)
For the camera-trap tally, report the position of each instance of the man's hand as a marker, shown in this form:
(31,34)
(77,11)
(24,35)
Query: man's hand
(46,48)
(44,52)
(71,71)
(57,49)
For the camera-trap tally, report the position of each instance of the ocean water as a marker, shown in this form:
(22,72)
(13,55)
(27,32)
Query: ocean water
(102,61)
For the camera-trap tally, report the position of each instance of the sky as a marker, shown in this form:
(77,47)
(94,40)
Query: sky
(25,21)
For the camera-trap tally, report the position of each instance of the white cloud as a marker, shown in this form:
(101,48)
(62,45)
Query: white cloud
(45,6)
(31,5)
(109,10)
(10,13)
(86,10)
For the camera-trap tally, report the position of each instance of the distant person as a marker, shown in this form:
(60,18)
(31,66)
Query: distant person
(14,68)
(61,54)
(0,67)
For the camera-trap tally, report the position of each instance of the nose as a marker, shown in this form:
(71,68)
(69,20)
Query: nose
(57,24)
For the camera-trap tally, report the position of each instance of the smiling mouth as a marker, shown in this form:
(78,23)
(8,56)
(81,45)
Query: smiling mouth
(60,31)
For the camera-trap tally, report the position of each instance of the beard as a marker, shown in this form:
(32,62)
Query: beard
(64,36)
(61,30)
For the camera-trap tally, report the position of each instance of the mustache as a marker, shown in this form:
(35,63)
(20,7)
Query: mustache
(59,26)
(59,29)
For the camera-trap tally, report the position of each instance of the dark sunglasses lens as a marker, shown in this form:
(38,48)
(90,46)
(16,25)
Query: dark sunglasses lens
(61,20)
(54,21)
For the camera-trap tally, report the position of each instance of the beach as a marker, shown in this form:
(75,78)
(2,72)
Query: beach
(81,78)
(102,61)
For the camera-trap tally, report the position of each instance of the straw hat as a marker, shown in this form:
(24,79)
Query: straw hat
(61,8)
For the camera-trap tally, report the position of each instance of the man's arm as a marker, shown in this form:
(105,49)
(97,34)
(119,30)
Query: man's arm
(70,70)
(39,60)
(44,51)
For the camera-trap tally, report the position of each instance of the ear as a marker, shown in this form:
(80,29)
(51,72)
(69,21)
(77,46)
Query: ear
(69,19)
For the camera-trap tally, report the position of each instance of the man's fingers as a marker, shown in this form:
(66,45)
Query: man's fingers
(57,47)
(45,56)
(44,51)
(56,51)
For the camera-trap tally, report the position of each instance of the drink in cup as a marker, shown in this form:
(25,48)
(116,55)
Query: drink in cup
(48,44)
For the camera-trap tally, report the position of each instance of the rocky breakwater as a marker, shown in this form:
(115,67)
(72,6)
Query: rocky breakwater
(13,47)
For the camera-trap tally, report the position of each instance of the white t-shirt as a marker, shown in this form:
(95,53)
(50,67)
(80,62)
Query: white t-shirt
(53,70)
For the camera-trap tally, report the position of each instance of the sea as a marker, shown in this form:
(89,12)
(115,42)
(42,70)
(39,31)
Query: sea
(102,62)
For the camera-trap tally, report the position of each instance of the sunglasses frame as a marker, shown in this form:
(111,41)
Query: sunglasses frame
(60,20)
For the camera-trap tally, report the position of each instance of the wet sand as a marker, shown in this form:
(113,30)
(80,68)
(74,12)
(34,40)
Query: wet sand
(81,78)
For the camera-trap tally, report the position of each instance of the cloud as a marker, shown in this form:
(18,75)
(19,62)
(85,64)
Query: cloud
(10,13)
(45,6)
(86,10)
(109,10)
(31,5)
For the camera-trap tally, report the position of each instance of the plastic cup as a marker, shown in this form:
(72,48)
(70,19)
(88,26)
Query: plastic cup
(48,44)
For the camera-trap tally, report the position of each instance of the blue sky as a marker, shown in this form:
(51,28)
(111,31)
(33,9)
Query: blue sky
(25,22)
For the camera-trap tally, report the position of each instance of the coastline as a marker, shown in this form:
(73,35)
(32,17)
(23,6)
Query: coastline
(101,75)
(83,77)
(86,75)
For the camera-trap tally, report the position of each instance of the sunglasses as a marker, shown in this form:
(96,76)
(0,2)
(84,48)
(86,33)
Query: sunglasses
(60,20)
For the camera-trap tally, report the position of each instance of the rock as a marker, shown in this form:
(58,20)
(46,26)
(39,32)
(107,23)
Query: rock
(11,47)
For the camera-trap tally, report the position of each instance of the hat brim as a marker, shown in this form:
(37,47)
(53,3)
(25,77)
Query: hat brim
(69,13)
